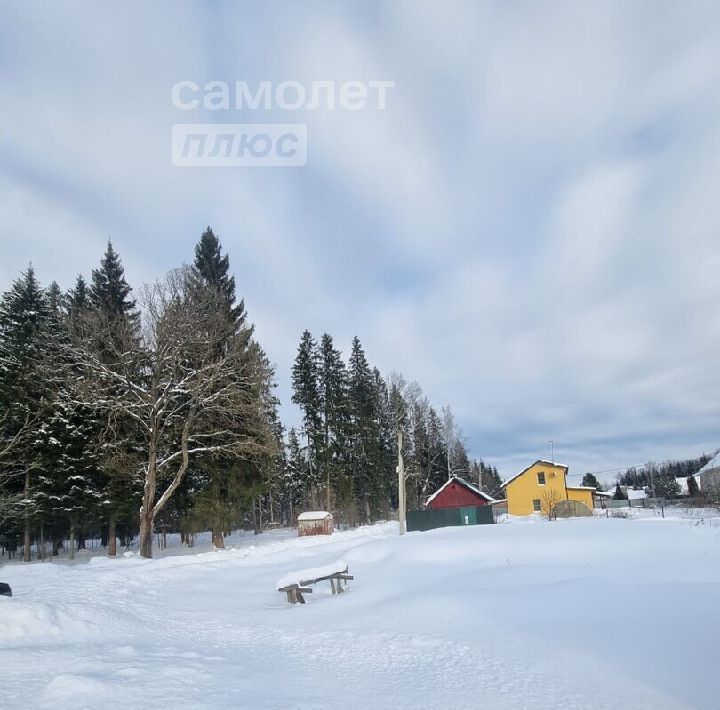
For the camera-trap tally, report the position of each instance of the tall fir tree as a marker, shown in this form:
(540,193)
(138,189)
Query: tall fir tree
(78,297)
(23,313)
(296,478)
(333,404)
(306,394)
(109,291)
(364,429)
(228,485)
(212,269)
(68,490)
(117,320)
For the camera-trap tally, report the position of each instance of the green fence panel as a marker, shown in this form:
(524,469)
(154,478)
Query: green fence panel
(430,519)
(468,516)
(485,515)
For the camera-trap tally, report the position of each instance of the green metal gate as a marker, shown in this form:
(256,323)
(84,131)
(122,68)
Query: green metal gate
(446,517)
(468,516)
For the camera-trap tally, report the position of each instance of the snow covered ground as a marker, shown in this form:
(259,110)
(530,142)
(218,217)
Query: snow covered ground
(584,613)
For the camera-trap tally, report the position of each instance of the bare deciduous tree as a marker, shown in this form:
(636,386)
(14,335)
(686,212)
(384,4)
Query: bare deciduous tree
(184,387)
(548,500)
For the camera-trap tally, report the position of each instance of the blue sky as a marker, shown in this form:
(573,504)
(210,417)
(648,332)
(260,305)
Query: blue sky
(531,228)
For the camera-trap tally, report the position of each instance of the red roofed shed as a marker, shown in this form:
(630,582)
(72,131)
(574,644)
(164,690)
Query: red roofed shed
(457,493)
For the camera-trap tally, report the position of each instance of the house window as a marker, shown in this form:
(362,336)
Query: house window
(536,505)
(541,478)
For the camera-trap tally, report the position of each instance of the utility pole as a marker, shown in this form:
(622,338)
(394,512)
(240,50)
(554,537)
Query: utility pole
(401,484)
(552,451)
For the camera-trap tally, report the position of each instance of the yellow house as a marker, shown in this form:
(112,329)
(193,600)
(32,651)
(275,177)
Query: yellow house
(540,487)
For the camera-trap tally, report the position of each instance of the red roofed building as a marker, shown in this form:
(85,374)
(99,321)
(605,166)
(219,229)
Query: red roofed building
(457,493)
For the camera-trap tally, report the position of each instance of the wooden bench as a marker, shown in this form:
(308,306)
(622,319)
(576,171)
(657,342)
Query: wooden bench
(295,591)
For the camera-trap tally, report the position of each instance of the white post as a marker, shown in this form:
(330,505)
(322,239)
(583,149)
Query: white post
(401,485)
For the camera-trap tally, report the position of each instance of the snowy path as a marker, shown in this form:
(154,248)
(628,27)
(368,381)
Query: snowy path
(573,614)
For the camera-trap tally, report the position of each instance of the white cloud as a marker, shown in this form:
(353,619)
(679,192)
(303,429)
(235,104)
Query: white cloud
(530,229)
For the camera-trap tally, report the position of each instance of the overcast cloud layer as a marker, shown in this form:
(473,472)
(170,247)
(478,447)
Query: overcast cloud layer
(531,229)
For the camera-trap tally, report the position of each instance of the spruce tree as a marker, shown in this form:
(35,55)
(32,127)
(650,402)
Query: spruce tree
(78,297)
(212,269)
(437,453)
(68,488)
(296,480)
(364,430)
(333,401)
(68,493)
(55,300)
(306,394)
(590,480)
(113,322)
(228,484)
(109,291)
(385,454)
(23,312)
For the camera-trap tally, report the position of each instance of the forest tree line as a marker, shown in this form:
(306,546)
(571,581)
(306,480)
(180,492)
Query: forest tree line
(129,414)
(660,478)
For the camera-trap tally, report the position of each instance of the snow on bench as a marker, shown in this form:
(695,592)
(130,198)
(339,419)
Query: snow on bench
(295,583)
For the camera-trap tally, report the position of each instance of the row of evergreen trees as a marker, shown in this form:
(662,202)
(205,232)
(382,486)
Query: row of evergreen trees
(661,478)
(344,454)
(95,400)
(71,461)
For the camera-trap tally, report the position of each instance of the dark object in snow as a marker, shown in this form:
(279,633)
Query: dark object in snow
(5,590)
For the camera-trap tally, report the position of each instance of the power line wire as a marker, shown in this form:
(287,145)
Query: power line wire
(612,470)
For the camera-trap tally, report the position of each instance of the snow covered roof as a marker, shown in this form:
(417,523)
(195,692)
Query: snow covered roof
(313,515)
(714,462)
(539,461)
(603,494)
(462,482)
(581,488)
(683,483)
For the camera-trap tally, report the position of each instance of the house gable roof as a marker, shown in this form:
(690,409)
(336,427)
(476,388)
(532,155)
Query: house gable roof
(712,464)
(461,482)
(539,461)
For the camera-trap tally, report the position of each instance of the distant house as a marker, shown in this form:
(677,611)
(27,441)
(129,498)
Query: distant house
(500,507)
(600,498)
(456,492)
(634,493)
(315,522)
(540,487)
(683,485)
(708,477)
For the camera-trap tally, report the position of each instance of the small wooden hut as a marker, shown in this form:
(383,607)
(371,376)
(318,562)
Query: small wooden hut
(315,522)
